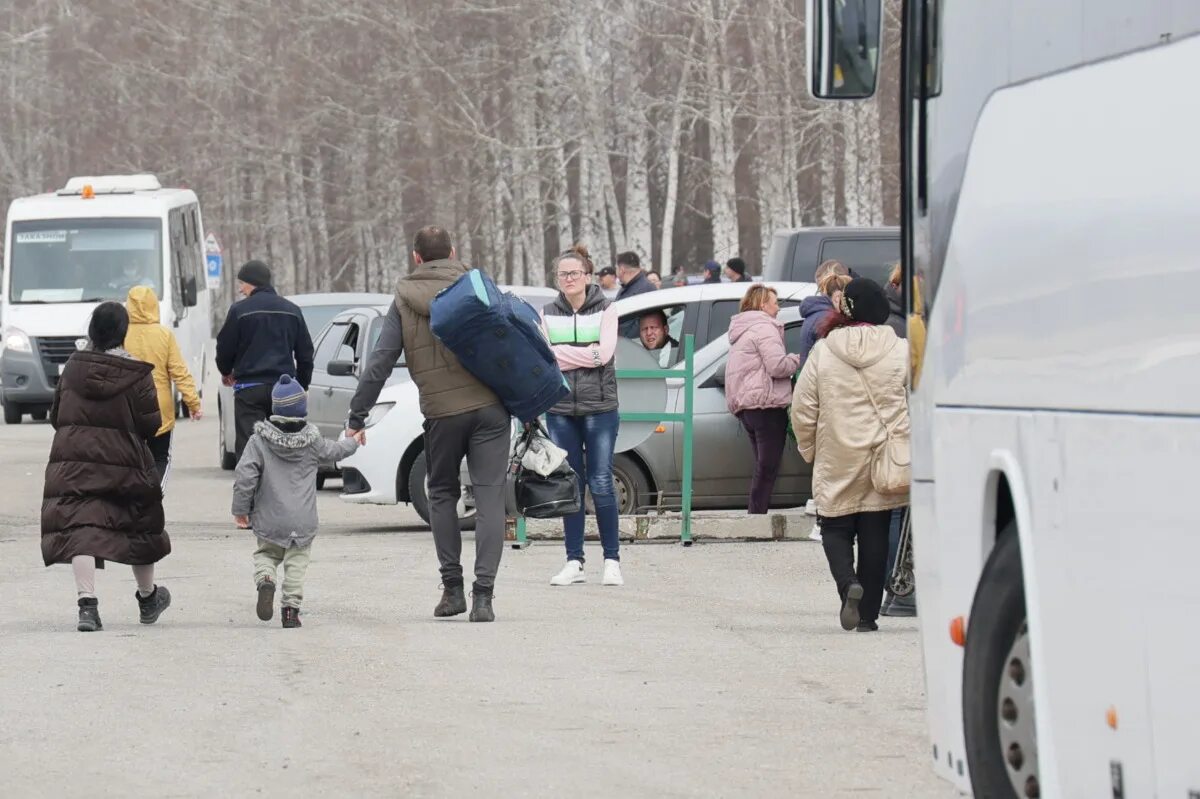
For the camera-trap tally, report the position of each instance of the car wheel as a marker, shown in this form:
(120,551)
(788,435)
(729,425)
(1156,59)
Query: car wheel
(39,416)
(631,485)
(227,459)
(998,706)
(418,491)
(12,413)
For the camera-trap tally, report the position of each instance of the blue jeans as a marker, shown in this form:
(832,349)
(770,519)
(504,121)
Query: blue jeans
(589,442)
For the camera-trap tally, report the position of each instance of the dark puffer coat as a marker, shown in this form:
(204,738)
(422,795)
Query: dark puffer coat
(102,495)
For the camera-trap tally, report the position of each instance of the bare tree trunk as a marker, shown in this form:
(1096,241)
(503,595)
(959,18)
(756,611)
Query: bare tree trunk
(723,189)
(637,195)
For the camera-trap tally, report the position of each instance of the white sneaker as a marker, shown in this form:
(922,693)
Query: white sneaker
(612,573)
(571,574)
(815,535)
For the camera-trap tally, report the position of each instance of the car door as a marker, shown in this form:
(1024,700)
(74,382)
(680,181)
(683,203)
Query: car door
(723,459)
(320,390)
(794,485)
(355,346)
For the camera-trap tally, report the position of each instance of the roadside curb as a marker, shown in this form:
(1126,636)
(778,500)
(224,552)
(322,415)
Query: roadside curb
(784,525)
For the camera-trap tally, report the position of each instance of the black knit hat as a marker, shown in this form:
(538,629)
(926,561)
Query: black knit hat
(256,273)
(109,324)
(863,300)
(736,265)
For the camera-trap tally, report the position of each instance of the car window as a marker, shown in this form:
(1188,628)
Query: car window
(871,258)
(791,337)
(374,330)
(720,313)
(347,351)
(669,346)
(327,347)
(317,316)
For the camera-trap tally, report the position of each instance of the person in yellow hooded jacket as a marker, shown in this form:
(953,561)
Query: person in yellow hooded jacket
(149,341)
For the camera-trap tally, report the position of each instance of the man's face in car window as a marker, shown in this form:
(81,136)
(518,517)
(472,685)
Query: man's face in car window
(653,330)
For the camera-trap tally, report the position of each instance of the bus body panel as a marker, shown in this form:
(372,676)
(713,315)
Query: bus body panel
(1064,351)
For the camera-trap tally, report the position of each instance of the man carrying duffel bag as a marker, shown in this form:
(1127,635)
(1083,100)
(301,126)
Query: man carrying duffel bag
(463,418)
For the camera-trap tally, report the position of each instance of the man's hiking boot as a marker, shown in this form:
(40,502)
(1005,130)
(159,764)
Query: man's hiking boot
(266,599)
(151,607)
(481,606)
(89,615)
(454,601)
(291,617)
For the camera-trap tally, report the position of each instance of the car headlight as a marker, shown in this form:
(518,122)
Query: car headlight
(377,413)
(15,340)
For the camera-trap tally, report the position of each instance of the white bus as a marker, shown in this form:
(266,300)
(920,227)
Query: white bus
(1051,217)
(92,241)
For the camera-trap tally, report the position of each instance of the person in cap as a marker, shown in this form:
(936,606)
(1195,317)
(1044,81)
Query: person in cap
(850,398)
(712,272)
(609,286)
(735,270)
(264,337)
(275,494)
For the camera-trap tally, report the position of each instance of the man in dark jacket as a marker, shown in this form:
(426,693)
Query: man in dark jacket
(463,419)
(712,272)
(735,270)
(264,337)
(633,282)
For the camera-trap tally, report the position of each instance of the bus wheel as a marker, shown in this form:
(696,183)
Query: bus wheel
(998,707)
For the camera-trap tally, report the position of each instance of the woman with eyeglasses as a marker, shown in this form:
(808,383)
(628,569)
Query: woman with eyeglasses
(581,327)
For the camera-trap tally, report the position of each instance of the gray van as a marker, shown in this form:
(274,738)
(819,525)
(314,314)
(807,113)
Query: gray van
(795,254)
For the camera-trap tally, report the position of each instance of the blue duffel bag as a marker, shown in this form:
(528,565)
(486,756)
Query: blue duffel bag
(497,337)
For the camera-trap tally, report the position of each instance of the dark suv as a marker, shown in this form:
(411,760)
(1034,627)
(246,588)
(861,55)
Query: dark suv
(869,251)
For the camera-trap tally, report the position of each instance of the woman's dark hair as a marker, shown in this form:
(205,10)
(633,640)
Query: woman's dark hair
(109,324)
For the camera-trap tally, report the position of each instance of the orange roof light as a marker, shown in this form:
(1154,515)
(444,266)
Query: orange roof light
(87,193)
(958,630)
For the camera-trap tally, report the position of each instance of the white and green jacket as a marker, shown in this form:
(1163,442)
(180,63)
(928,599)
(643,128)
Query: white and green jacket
(591,376)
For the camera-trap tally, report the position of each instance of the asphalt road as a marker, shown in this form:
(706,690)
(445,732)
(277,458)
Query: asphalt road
(718,670)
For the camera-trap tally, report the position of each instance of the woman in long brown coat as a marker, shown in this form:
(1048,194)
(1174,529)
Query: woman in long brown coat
(102,499)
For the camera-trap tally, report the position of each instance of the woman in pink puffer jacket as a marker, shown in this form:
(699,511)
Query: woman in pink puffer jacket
(758,386)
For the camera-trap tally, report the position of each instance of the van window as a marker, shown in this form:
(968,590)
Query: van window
(179,260)
(873,258)
(196,248)
(84,260)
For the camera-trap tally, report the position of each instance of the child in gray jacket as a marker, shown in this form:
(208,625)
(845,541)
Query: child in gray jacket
(275,494)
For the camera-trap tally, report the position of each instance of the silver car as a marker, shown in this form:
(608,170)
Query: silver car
(649,460)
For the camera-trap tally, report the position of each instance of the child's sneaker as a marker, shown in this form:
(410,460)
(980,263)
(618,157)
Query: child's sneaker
(266,599)
(151,607)
(89,615)
(291,617)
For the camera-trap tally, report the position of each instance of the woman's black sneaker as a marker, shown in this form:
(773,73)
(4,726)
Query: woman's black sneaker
(867,627)
(266,599)
(151,607)
(89,616)
(849,615)
(291,617)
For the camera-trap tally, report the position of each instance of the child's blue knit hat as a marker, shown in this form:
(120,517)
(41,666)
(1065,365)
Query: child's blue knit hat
(289,399)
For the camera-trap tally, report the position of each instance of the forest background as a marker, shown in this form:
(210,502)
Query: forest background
(321,134)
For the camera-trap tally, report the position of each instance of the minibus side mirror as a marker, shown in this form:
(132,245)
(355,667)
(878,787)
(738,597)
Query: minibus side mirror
(843,48)
(189,292)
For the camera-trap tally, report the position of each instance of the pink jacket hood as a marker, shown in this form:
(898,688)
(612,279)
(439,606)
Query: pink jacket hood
(759,371)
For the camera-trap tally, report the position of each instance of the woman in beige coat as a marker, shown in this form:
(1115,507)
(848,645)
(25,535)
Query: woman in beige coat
(858,359)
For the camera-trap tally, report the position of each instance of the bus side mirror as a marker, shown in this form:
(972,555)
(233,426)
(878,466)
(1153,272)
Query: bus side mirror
(843,48)
(189,292)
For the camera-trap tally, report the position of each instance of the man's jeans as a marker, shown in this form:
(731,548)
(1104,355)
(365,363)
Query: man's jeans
(589,442)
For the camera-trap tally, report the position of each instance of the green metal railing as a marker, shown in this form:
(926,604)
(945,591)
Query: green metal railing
(685,418)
